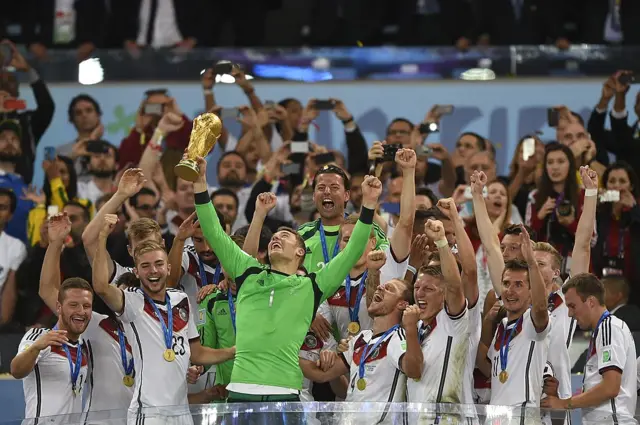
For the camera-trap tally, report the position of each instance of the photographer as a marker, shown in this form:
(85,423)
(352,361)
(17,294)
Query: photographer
(33,123)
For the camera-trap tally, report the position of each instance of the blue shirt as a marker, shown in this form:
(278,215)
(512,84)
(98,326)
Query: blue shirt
(17,226)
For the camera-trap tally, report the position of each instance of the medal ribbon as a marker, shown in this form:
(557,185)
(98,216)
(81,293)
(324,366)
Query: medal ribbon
(366,353)
(167,329)
(325,250)
(232,308)
(203,275)
(595,332)
(74,369)
(424,333)
(353,313)
(504,348)
(127,366)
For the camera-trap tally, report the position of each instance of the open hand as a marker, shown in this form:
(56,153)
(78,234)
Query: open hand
(547,208)
(131,182)
(59,227)
(54,337)
(419,251)
(187,227)
(327,360)
(321,327)
(526,246)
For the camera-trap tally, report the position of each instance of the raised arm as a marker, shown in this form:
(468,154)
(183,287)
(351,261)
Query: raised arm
(581,255)
(130,183)
(331,276)
(58,228)
(539,312)
(265,202)
(413,360)
(185,231)
(110,294)
(375,261)
(453,294)
(401,238)
(487,232)
(232,258)
(466,253)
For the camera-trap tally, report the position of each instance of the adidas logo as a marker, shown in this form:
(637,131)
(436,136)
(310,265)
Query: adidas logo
(308,250)
(223,312)
(261,282)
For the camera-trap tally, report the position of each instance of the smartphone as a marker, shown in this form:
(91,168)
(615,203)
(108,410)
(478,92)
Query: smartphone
(389,152)
(224,67)
(442,110)
(14,104)
(52,210)
(424,150)
(528,148)
(391,208)
(610,196)
(553,117)
(290,169)
(50,153)
(324,158)
(229,113)
(324,105)
(428,127)
(300,147)
(626,79)
(153,109)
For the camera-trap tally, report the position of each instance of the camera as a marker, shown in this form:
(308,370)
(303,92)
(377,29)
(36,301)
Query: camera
(428,128)
(564,209)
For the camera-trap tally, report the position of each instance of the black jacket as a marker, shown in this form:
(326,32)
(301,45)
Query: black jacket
(34,124)
(594,15)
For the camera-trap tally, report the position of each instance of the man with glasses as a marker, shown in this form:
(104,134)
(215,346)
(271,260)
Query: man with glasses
(145,203)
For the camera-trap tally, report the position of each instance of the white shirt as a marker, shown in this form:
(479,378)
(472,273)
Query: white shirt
(108,389)
(310,350)
(335,310)
(165,26)
(89,190)
(118,271)
(191,281)
(47,388)
(475,329)
(612,347)
(12,254)
(527,357)
(145,335)
(561,335)
(444,349)
(385,381)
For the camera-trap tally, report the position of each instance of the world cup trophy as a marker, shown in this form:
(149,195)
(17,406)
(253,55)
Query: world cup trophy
(204,135)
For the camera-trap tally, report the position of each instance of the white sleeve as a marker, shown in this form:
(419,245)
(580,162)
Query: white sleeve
(456,325)
(133,304)
(611,346)
(18,256)
(392,269)
(118,271)
(185,260)
(638,377)
(324,309)
(329,344)
(311,348)
(30,337)
(192,330)
(529,328)
(397,347)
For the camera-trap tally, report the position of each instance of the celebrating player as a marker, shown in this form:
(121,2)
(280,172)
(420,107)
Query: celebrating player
(609,386)
(113,372)
(53,363)
(276,304)
(443,331)
(144,311)
(376,359)
(517,356)
(348,309)
(331,193)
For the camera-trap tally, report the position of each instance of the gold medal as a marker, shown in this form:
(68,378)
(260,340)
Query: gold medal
(504,375)
(169,355)
(361,384)
(353,328)
(127,380)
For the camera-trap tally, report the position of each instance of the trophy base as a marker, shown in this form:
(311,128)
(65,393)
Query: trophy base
(187,169)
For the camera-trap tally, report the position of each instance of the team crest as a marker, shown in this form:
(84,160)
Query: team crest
(375,353)
(182,313)
(311,341)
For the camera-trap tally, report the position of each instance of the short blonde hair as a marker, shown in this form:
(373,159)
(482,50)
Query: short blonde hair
(146,247)
(353,219)
(143,228)
(546,247)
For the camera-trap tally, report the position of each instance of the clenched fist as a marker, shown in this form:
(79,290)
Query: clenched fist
(589,177)
(448,208)
(406,159)
(371,190)
(376,259)
(434,229)
(411,317)
(478,181)
(110,221)
(265,203)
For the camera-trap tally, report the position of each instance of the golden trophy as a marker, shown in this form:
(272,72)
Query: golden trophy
(204,135)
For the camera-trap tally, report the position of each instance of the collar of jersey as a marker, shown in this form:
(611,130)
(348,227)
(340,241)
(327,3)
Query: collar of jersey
(355,280)
(329,230)
(278,272)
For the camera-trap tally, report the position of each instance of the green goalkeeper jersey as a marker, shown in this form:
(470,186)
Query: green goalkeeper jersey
(216,330)
(274,310)
(310,232)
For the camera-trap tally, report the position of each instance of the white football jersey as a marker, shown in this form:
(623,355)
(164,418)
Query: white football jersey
(108,391)
(310,350)
(47,388)
(158,382)
(527,357)
(612,348)
(475,328)
(335,310)
(191,281)
(385,382)
(118,271)
(561,335)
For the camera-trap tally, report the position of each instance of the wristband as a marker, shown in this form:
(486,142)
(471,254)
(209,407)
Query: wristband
(442,243)
(590,192)
(159,134)
(207,91)
(348,120)
(412,269)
